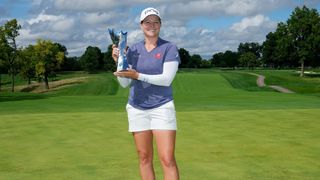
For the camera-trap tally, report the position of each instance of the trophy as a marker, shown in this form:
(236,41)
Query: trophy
(120,40)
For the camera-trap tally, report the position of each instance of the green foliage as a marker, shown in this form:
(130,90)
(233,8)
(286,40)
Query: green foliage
(295,42)
(28,62)
(71,64)
(110,65)
(252,47)
(195,61)
(9,51)
(303,27)
(4,46)
(184,57)
(268,51)
(91,60)
(249,60)
(48,59)
(226,59)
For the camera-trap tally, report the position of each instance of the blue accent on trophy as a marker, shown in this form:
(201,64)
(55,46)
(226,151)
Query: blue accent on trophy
(120,40)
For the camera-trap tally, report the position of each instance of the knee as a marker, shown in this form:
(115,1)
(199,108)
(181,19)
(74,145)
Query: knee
(145,157)
(168,161)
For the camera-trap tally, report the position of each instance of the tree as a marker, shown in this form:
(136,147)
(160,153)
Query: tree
(249,60)
(61,48)
(217,60)
(4,46)
(277,50)
(304,30)
(268,50)
(250,54)
(231,59)
(71,64)
(10,31)
(184,57)
(91,59)
(28,63)
(195,61)
(1,71)
(49,58)
(110,65)
(205,63)
(253,47)
(285,53)
(226,59)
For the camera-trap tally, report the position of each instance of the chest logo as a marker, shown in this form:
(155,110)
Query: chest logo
(158,56)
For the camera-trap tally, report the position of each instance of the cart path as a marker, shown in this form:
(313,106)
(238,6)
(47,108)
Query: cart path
(261,83)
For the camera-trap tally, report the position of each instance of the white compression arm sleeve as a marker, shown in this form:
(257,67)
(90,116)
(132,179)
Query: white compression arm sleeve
(165,79)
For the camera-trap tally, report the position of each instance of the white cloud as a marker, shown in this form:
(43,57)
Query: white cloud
(80,23)
(255,21)
(42,17)
(63,25)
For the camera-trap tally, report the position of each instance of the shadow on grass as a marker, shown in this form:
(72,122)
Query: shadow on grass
(20,97)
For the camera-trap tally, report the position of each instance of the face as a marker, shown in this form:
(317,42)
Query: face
(151,26)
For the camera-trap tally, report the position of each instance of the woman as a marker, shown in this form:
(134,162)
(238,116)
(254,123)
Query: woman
(153,64)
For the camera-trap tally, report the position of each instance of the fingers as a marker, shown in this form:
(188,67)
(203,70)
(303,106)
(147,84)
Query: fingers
(115,53)
(130,73)
(121,74)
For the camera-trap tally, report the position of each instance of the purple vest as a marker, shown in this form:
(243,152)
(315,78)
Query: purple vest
(144,95)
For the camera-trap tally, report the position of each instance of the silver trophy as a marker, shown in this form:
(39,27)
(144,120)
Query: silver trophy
(120,40)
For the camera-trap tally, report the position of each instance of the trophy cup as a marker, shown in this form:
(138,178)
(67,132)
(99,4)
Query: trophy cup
(120,40)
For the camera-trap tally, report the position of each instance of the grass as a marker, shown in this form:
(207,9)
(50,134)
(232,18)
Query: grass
(227,130)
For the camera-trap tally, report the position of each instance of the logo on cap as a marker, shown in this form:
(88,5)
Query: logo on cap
(150,11)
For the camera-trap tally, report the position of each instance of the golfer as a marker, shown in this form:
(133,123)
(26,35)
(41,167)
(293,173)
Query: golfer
(151,112)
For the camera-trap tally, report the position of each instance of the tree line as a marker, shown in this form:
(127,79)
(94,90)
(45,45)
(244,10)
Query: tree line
(44,59)
(295,43)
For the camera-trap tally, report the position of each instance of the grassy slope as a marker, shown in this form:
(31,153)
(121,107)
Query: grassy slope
(224,133)
(211,91)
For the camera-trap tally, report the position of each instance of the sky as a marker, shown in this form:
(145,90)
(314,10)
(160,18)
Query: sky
(203,27)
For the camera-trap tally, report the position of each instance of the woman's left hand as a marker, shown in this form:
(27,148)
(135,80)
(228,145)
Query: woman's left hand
(129,73)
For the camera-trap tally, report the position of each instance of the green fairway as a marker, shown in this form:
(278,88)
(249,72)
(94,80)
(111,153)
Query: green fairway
(227,129)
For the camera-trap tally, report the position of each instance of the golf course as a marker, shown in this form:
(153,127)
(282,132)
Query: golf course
(228,127)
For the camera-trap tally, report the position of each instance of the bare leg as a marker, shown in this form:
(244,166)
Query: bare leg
(144,146)
(166,144)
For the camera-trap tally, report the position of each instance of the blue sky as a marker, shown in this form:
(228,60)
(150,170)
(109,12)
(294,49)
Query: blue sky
(202,27)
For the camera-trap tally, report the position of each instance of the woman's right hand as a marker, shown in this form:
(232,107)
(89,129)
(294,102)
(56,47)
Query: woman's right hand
(115,52)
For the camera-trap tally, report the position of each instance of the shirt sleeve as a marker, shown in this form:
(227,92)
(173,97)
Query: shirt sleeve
(172,54)
(170,69)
